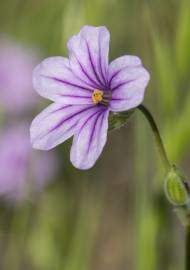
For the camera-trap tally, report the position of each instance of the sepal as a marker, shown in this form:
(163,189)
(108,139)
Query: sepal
(118,120)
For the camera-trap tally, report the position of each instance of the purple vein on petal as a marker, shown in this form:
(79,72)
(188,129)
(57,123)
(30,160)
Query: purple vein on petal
(118,99)
(68,83)
(57,110)
(78,78)
(114,75)
(62,122)
(81,128)
(119,70)
(93,67)
(121,84)
(100,62)
(93,130)
(87,75)
(69,118)
(60,109)
(75,96)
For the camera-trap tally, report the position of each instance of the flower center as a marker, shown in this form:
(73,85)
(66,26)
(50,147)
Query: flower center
(98,96)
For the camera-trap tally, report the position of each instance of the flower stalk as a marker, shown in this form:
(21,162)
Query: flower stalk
(157,136)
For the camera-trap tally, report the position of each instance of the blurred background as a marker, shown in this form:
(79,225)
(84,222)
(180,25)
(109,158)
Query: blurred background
(114,216)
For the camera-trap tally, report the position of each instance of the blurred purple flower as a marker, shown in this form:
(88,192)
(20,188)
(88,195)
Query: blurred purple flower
(16,66)
(85,89)
(22,169)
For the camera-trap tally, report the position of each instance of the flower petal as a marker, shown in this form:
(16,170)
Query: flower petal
(127,80)
(54,80)
(56,124)
(90,138)
(88,54)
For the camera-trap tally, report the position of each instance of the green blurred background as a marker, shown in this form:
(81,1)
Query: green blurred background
(115,215)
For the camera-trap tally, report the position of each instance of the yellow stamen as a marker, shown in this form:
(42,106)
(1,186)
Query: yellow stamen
(97,96)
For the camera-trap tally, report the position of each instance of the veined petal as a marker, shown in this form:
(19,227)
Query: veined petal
(90,138)
(88,55)
(56,124)
(122,62)
(127,80)
(54,80)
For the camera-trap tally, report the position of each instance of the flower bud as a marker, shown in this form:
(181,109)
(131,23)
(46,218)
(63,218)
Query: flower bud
(176,188)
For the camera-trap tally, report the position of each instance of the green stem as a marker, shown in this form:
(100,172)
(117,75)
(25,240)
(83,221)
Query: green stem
(157,136)
(187,249)
(167,165)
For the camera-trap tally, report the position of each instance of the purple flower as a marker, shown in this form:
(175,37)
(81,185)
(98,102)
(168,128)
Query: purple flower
(85,89)
(21,168)
(16,66)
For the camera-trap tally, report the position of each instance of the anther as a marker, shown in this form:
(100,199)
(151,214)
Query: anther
(97,96)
